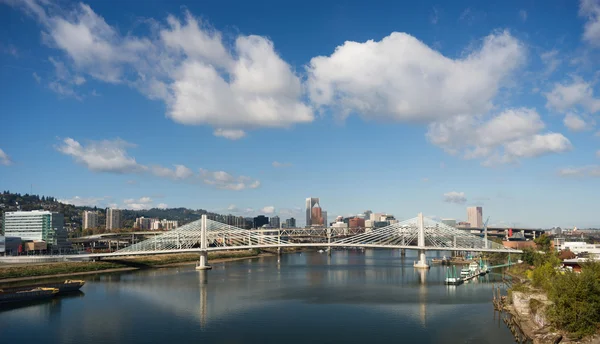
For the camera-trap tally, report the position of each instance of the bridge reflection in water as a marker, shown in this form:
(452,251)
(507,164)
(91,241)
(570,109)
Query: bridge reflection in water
(372,277)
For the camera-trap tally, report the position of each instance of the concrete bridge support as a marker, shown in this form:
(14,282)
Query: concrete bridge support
(422,263)
(403,252)
(329,241)
(203,263)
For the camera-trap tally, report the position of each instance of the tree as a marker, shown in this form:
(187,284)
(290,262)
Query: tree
(543,242)
(576,299)
(529,256)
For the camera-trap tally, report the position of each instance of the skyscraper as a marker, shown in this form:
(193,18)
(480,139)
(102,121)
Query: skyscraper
(324,216)
(316,215)
(260,221)
(113,218)
(90,219)
(290,223)
(310,203)
(275,221)
(475,216)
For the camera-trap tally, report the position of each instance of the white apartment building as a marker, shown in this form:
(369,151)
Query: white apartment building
(113,219)
(90,219)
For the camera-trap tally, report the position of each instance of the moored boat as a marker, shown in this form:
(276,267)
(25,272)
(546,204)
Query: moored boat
(452,277)
(27,295)
(66,286)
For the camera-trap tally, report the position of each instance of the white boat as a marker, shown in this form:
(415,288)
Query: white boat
(321,251)
(452,277)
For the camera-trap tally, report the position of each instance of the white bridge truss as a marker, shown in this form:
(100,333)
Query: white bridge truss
(207,235)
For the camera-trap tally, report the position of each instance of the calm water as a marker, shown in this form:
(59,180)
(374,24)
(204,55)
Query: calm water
(352,297)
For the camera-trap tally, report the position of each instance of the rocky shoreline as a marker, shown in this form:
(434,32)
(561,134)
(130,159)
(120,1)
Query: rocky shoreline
(523,313)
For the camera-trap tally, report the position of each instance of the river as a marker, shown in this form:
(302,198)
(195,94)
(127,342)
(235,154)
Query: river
(375,296)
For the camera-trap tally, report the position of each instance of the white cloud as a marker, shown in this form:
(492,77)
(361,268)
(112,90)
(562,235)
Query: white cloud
(102,156)
(36,77)
(503,138)
(566,96)
(224,180)
(162,206)
(400,78)
(591,10)
(180,172)
(84,201)
(580,172)
(551,60)
(537,145)
(78,80)
(268,210)
(455,197)
(523,15)
(434,16)
(232,208)
(4,158)
(111,156)
(186,64)
(231,134)
(259,90)
(64,83)
(138,204)
(574,122)
(278,164)
(94,46)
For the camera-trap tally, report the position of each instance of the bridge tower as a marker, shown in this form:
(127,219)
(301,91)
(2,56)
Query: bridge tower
(203,263)
(422,263)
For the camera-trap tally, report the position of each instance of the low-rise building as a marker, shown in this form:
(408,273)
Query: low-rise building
(37,225)
(577,247)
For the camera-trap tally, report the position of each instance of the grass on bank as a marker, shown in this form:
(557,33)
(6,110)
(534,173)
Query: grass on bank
(137,262)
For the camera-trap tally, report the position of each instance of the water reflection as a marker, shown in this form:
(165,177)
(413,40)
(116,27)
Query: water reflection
(374,292)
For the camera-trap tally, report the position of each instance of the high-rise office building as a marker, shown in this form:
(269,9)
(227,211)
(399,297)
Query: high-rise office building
(260,221)
(90,219)
(275,221)
(290,223)
(36,225)
(324,216)
(310,203)
(475,217)
(113,219)
(316,215)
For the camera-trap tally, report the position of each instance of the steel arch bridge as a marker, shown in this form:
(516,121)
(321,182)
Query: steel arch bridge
(419,233)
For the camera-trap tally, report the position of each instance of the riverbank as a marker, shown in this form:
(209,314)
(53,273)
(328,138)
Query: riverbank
(532,313)
(27,272)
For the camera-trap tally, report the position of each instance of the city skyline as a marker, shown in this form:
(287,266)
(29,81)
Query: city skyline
(442,108)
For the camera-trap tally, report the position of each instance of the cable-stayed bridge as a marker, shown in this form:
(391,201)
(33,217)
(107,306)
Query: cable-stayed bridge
(203,236)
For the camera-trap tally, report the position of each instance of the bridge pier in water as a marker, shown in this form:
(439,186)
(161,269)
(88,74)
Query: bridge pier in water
(402,252)
(422,263)
(203,263)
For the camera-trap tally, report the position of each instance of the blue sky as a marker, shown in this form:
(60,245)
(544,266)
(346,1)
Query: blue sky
(232,106)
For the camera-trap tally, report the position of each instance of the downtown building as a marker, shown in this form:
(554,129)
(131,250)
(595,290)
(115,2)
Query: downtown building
(315,215)
(290,223)
(275,222)
(475,217)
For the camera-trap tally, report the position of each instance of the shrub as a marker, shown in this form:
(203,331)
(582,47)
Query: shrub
(576,299)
